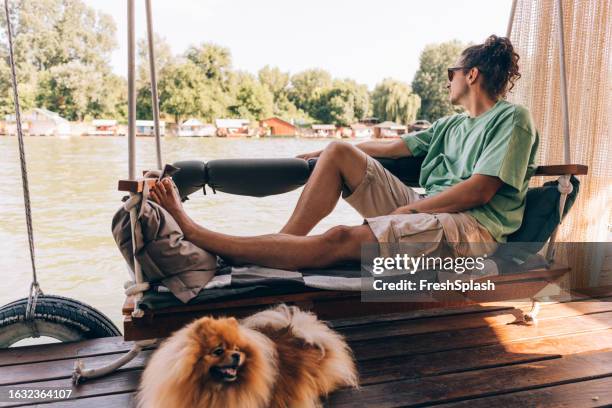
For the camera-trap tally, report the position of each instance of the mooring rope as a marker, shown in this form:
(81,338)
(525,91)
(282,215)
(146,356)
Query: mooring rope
(34,287)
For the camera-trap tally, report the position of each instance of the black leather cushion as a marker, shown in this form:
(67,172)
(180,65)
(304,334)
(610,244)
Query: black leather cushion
(263,177)
(540,219)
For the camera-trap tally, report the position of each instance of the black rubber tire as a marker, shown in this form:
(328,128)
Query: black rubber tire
(57,317)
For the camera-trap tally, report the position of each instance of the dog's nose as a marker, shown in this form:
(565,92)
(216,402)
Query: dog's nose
(236,358)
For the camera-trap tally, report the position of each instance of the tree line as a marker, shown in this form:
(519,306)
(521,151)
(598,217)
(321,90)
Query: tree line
(62,51)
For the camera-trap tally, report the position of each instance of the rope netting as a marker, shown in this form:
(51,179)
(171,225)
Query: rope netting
(587,28)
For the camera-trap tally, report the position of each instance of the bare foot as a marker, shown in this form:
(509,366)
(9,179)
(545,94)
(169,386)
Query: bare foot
(164,193)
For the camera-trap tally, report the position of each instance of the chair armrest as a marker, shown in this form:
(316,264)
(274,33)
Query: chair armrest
(135,186)
(562,169)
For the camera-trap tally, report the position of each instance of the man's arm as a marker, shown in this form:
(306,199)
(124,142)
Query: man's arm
(391,149)
(473,192)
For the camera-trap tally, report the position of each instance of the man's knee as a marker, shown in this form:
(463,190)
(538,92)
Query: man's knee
(345,242)
(349,160)
(340,150)
(337,235)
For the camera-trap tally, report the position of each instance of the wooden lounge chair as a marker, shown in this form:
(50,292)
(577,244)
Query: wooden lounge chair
(160,319)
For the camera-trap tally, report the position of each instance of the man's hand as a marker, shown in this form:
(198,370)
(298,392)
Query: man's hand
(407,209)
(311,155)
(164,193)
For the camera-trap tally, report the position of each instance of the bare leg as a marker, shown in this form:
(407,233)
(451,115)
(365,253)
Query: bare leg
(283,251)
(340,163)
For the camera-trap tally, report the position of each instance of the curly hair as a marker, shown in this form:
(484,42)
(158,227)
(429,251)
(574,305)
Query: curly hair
(497,62)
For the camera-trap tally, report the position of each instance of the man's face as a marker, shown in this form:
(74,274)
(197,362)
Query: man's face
(458,87)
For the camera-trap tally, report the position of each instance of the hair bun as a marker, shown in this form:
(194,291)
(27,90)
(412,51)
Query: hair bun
(498,62)
(498,46)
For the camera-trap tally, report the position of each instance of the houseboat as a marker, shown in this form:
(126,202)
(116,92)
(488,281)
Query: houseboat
(147,128)
(196,128)
(103,127)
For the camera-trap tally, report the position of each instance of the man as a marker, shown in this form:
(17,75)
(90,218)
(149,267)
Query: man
(475,173)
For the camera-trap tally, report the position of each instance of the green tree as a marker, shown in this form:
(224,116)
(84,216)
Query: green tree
(214,61)
(307,87)
(431,78)
(275,80)
(344,103)
(163,57)
(52,37)
(49,33)
(393,100)
(26,82)
(78,91)
(183,91)
(252,100)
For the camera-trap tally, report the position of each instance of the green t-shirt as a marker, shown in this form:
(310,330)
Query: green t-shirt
(501,142)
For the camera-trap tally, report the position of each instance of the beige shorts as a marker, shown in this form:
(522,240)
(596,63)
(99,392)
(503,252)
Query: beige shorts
(380,193)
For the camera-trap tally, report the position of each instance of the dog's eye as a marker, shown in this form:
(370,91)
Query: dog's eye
(218,351)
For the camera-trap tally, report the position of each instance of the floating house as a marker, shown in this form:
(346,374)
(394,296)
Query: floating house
(362,131)
(325,131)
(147,128)
(196,128)
(232,127)
(389,130)
(39,122)
(278,127)
(103,127)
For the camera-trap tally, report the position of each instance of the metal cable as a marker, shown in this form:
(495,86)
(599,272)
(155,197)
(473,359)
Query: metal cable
(34,288)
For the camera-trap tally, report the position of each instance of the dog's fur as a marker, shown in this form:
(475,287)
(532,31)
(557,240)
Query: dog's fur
(281,357)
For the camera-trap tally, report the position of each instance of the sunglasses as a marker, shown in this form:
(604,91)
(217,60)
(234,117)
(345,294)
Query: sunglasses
(451,72)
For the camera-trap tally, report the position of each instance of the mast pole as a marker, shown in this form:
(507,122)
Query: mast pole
(511,19)
(154,95)
(563,84)
(131,93)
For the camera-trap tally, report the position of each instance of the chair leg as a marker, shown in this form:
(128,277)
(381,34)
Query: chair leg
(531,317)
(81,374)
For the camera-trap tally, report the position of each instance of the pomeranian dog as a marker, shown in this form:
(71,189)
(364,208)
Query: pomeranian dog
(282,358)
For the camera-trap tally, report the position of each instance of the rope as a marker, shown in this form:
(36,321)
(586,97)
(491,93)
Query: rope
(34,287)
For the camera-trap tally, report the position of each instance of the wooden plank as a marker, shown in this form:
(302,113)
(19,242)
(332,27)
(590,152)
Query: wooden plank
(472,384)
(119,382)
(478,358)
(395,366)
(110,345)
(583,394)
(466,338)
(135,186)
(58,351)
(372,371)
(562,169)
(473,320)
(448,387)
(128,305)
(52,370)
(122,400)
(418,314)
(159,324)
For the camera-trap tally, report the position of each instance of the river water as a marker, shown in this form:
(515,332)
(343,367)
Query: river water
(73,190)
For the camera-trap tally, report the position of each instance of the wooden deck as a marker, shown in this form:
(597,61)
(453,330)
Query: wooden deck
(475,356)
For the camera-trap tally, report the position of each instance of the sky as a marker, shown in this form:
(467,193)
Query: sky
(365,40)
